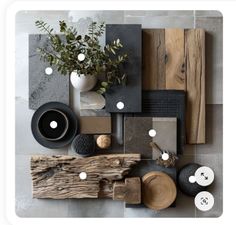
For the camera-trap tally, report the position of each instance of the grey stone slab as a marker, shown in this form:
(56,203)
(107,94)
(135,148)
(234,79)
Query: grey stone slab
(25,144)
(214,57)
(189,149)
(215,162)
(95,208)
(26,206)
(93,112)
(162,21)
(208,13)
(131,93)
(214,131)
(128,13)
(91,100)
(44,88)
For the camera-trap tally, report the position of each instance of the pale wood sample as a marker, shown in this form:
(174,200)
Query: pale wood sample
(195,68)
(153,59)
(58,177)
(128,191)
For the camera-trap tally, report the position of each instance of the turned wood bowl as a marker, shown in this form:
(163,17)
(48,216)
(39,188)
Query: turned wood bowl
(159,190)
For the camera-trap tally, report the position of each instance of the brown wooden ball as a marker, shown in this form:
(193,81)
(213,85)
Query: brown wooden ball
(104,141)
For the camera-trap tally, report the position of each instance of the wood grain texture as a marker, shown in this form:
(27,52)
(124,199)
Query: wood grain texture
(183,52)
(58,177)
(175,67)
(195,65)
(153,59)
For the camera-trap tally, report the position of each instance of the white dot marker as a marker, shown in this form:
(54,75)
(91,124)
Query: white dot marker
(120,105)
(83,175)
(53,124)
(81,57)
(165,156)
(48,71)
(152,133)
(192,179)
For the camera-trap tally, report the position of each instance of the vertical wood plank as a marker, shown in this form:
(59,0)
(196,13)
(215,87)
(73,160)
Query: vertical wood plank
(195,76)
(153,59)
(175,67)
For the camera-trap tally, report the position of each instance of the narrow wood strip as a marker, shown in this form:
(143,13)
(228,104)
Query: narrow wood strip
(175,67)
(195,73)
(153,76)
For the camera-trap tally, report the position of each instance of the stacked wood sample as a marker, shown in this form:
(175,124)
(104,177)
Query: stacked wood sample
(59,177)
(175,59)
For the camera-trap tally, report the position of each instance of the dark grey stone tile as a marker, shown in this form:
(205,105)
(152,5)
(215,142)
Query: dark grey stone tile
(208,13)
(214,57)
(214,131)
(95,208)
(26,206)
(24,140)
(215,162)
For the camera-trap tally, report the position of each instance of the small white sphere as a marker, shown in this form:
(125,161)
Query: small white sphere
(83,175)
(165,156)
(192,179)
(48,71)
(81,57)
(120,105)
(152,133)
(53,124)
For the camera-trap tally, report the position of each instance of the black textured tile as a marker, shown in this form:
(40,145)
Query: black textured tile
(130,95)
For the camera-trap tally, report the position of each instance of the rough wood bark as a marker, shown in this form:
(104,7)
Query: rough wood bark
(153,59)
(58,177)
(175,67)
(195,64)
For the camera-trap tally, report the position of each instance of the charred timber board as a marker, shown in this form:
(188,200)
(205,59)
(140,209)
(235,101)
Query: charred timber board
(58,177)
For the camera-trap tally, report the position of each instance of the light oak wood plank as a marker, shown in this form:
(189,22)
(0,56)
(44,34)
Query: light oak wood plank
(195,77)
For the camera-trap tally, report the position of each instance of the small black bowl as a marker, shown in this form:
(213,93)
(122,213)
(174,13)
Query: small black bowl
(53,124)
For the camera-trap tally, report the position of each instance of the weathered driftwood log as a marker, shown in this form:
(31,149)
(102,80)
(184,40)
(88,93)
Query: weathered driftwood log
(59,177)
(128,191)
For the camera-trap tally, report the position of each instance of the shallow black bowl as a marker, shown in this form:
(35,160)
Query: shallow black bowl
(72,125)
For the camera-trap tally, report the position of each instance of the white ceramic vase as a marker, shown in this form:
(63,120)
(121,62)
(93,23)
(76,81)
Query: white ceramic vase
(81,82)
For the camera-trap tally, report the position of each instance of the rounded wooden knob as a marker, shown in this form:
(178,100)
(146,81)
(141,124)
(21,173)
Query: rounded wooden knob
(104,141)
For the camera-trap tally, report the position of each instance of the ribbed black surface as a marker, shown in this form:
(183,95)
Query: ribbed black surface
(191,189)
(84,144)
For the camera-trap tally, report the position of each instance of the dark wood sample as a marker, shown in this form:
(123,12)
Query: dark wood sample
(131,37)
(44,88)
(58,177)
(174,59)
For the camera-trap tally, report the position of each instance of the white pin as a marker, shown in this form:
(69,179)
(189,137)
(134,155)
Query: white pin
(120,105)
(192,179)
(83,176)
(48,71)
(53,124)
(152,133)
(81,57)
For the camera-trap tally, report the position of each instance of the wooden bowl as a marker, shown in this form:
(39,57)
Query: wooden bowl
(159,190)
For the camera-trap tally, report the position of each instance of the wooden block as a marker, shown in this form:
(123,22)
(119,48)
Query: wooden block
(128,191)
(195,68)
(95,124)
(153,59)
(59,177)
(175,67)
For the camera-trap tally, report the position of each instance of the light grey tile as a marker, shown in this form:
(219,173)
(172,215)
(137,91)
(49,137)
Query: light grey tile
(214,57)
(95,208)
(158,13)
(162,21)
(25,142)
(26,206)
(208,13)
(214,131)
(214,161)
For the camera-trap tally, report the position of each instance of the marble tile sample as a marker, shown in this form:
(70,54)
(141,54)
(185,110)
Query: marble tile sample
(94,112)
(130,95)
(46,84)
(137,135)
(91,100)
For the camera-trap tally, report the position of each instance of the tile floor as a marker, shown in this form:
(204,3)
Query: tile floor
(209,154)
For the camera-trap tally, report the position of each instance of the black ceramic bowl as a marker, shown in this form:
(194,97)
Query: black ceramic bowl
(53,124)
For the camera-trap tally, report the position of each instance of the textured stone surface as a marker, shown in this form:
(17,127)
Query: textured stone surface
(44,88)
(130,94)
(91,100)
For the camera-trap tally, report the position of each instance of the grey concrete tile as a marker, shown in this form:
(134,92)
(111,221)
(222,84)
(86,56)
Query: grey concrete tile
(24,140)
(26,206)
(214,131)
(189,150)
(214,57)
(208,13)
(162,21)
(214,161)
(184,159)
(158,13)
(95,208)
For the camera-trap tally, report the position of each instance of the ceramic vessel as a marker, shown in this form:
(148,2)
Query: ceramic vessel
(81,82)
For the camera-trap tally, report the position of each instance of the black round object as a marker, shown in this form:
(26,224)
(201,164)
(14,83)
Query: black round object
(53,124)
(84,144)
(191,189)
(72,125)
